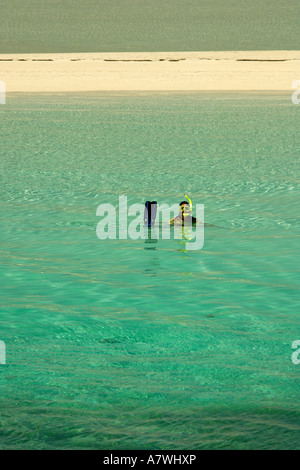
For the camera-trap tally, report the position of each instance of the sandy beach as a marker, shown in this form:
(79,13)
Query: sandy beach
(153,71)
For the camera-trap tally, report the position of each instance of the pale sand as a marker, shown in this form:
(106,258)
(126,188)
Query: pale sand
(151,71)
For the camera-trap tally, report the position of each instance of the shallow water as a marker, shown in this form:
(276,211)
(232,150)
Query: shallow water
(112,345)
(142,25)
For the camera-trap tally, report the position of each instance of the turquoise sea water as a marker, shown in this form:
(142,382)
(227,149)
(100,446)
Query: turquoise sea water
(148,25)
(111,345)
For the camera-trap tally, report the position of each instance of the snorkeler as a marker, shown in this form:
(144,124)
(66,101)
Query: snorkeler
(184,217)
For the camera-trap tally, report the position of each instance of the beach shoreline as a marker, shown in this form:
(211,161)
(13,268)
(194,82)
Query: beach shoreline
(150,71)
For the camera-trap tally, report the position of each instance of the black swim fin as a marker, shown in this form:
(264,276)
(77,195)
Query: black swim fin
(150,213)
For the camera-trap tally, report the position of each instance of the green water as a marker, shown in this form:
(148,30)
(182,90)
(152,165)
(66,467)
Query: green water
(148,25)
(111,345)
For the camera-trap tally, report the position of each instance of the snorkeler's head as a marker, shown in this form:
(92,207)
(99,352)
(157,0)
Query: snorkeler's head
(184,208)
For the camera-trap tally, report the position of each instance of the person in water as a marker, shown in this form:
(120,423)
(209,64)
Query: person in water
(184,217)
